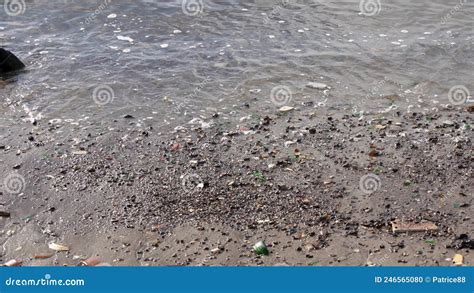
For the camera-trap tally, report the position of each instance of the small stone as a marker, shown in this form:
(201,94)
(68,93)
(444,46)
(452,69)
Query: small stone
(286,109)
(309,247)
(122,38)
(289,143)
(216,250)
(128,116)
(317,85)
(113,15)
(4,214)
(164,46)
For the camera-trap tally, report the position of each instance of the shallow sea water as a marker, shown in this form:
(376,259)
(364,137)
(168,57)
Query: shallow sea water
(169,62)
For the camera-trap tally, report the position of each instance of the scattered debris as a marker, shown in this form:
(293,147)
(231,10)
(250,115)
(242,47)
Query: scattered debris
(58,247)
(400,227)
(309,247)
(458,260)
(286,109)
(122,38)
(216,250)
(462,242)
(374,153)
(43,255)
(259,175)
(260,248)
(13,263)
(90,262)
(4,214)
(317,85)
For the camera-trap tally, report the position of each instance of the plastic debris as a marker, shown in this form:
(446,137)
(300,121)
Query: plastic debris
(458,260)
(260,248)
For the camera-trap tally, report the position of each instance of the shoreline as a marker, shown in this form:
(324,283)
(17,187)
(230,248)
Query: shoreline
(137,196)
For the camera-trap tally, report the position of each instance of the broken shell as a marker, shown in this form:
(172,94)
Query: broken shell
(90,262)
(13,263)
(58,247)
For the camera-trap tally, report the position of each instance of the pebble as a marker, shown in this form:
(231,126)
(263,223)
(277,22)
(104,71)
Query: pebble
(216,250)
(164,46)
(317,85)
(448,122)
(113,15)
(289,143)
(122,38)
(286,109)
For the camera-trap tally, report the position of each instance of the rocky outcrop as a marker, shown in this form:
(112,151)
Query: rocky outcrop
(9,62)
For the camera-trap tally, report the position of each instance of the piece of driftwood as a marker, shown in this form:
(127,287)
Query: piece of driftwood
(401,227)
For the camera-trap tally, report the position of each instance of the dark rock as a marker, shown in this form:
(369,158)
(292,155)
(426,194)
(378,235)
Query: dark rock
(9,62)
(462,242)
(4,214)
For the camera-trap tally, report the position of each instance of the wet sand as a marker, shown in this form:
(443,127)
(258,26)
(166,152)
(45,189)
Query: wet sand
(135,195)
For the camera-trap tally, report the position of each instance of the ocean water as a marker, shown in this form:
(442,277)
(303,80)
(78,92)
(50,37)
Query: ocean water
(168,62)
